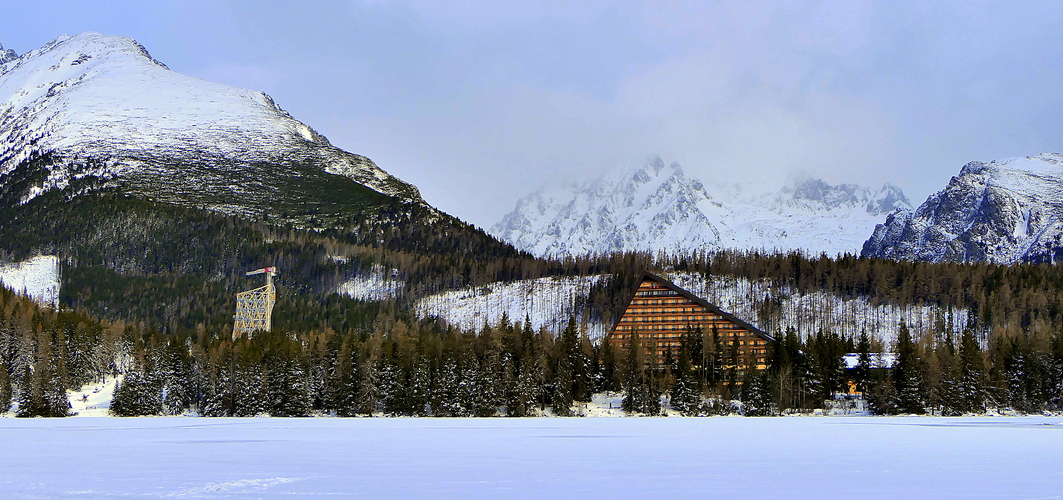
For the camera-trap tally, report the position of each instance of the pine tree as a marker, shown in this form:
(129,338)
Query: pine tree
(641,395)
(862,372)
(445,397)
(756,395)
(906,374)
(564,371)
(972,374)
(684,396)
(882,395)
(249,390)
(608,364)
(5,389)
(420,392)
(135,396)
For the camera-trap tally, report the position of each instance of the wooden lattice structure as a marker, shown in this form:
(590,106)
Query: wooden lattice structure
(660,313)
(254,308)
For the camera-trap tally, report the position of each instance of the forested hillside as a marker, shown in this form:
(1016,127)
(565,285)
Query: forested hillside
(334,355)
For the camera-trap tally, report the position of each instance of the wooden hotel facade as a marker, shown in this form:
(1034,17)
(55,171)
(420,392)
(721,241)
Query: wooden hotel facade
(660,312)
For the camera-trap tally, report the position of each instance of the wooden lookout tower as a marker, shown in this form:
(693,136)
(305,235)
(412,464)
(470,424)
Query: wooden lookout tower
(254,308)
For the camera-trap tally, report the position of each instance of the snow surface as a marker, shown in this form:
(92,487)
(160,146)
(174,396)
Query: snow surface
(651,207)
(716,457)
(37,278)
(376,284)
(546,302)
(94,400)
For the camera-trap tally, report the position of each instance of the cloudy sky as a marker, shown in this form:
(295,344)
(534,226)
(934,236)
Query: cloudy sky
(479,102)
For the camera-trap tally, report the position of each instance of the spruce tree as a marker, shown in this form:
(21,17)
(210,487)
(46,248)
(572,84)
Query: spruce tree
(641,395)
(5,389)
(972,374)
(564,371)
(756,395)
(135,396)
(906,374)
(861,373)
(445,402)
(609,373)
(684,396)
(420,391)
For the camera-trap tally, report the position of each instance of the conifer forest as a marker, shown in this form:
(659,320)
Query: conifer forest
(156,310)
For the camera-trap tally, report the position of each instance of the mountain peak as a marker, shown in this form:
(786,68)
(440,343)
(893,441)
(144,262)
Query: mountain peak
(1003,211)
(99,110)
(651,206)
(6,55)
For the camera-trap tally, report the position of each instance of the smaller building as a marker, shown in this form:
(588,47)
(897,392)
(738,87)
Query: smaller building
(661,312)
(878,361)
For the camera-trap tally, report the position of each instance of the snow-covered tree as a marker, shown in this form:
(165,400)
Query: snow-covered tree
(136,395)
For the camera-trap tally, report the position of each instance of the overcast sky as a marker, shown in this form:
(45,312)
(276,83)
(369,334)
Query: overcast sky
(477,103)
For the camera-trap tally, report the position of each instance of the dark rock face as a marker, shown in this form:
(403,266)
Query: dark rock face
(7,55)
(1004,212)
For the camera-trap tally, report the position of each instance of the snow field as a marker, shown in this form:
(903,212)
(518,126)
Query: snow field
(37,278)
(547,302)
(93,400)
(719,457)
(377,284)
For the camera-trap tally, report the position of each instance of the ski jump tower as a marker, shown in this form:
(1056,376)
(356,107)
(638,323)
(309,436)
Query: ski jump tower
(254,308)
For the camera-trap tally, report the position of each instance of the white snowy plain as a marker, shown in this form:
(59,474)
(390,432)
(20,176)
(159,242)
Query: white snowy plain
(716,457)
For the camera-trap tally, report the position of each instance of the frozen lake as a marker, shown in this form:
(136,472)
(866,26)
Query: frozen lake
(721,457)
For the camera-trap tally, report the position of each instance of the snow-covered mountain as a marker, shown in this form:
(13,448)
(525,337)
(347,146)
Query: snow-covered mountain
(1004,211)
(94,111)
(653,207)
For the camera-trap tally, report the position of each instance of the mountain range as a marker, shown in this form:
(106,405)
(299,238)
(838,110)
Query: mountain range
(93,114)
(651,206)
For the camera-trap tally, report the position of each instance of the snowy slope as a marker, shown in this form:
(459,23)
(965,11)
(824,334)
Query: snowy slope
(549,302)
(376,284)
(97,106)
(546,302)
(1004,211)
(807,313)
(37,278)
(651,207)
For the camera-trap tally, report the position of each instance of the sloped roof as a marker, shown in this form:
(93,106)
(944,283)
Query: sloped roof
(877,360)
(701,302)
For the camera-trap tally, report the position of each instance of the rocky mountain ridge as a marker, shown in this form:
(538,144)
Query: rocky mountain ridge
(651,207)
(1004,211)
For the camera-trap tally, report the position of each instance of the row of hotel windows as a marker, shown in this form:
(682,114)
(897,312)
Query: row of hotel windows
(676,325)
(650,302)
(655,293)
(761,364)
(661,310)
(692,320)
(674,330)
(758,347)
